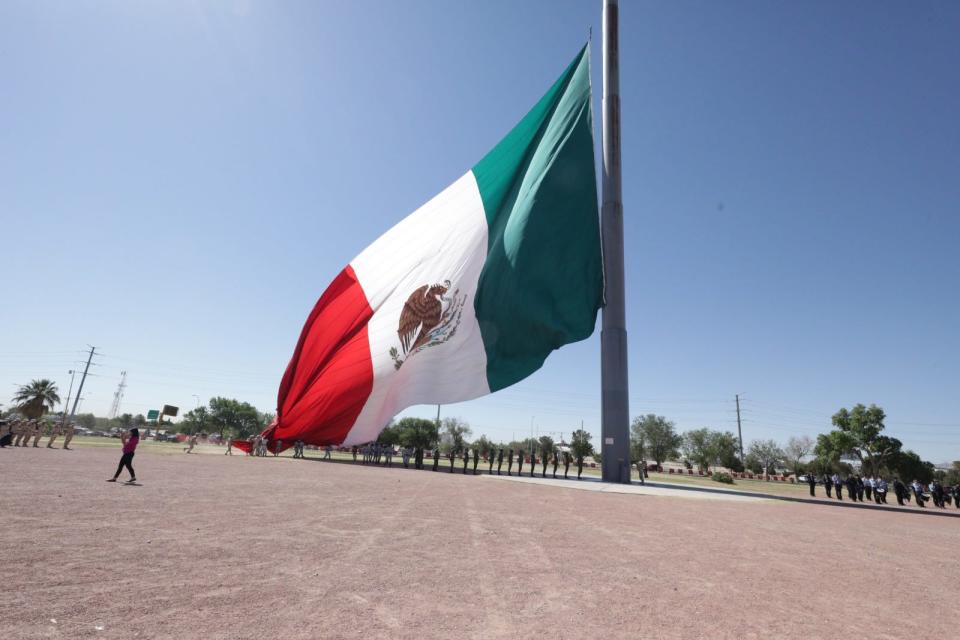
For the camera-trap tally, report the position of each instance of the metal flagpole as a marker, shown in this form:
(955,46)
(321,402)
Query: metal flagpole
(615,411)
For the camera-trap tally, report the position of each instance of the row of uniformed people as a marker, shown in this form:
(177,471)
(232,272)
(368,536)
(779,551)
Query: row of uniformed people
(377,453)
(19,433)
(876,488)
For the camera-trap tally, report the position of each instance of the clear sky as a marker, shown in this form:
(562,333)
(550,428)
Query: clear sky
(179,181)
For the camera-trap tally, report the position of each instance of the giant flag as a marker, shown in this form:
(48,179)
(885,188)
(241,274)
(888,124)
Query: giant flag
(468,294)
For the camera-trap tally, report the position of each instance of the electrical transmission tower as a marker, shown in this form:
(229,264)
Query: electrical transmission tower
(118,395)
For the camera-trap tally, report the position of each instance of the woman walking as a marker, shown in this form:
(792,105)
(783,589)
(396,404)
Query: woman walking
(130,441)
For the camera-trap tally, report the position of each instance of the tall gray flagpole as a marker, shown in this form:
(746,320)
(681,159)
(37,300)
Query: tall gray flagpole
(615,411)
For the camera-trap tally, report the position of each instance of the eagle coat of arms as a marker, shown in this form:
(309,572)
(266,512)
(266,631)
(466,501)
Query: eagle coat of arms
(429,318)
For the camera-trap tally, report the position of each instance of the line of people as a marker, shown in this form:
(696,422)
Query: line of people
(19,433)
(382,454)
(875,489)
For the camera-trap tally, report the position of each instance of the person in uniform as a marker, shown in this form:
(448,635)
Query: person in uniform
(851,483)
(277,447)
(556,461)
(509,462)
(579,467)
(868,488)
(466,459)
(936,491)
(54,434)
(566,464)
(812,481)
(898,490)
(68,435)
(917,492)
(533,461)
(956,496)
(499,461)
(476,459)
(405,454)
(860,488)
(837,486)
(229,451)
(879,483)
(490,458)
(450,456)
(828,485)
(520,462)
(19,428)
(37,432)
(543,459)
(388,455)
(5,435)
(436,458)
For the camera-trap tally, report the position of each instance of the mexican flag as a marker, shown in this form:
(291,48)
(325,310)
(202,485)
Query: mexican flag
(468,294)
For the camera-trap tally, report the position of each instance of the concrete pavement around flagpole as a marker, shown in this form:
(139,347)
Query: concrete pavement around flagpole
(649,489)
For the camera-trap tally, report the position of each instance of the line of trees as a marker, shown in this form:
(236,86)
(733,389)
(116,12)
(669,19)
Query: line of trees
(857,437)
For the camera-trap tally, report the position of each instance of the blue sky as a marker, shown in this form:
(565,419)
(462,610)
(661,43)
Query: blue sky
(179,181)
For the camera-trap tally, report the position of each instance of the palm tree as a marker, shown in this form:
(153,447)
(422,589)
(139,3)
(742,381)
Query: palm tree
(35,399)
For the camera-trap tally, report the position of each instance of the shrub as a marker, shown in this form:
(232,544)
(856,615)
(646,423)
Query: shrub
(722,476)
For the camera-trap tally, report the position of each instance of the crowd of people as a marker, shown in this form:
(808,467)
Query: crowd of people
(876,488)
(20,433)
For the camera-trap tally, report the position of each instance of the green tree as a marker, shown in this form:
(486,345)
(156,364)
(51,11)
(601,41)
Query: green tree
(727,450)
(482,445)
(580,446)
(656,436)
(453,434)
(796,450)
(752,463)
(37,398)
(547,446)
(391,434)
(767,453)
(953,475)
(699,445)
(195,421)
(139,420)
(241,419)
(908,466)
(859,434)
(124,421)
(418,433)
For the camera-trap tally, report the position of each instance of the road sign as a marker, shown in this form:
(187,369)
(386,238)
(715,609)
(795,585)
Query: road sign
(169,410)
(153,414)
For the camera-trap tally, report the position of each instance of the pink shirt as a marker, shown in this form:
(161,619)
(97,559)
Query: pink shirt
(131,445)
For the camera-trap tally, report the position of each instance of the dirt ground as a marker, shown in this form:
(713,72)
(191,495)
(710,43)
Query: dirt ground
(209,546)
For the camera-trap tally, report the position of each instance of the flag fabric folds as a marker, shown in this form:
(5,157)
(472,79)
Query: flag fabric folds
(467,295)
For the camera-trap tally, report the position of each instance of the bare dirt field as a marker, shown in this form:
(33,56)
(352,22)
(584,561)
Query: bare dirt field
(209,546)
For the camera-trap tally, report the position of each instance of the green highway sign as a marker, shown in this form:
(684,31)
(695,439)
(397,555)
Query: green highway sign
(153,414)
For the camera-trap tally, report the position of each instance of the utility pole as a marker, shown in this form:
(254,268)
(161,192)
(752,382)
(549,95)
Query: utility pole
(72,373)
(739,432)
(83,379)
(615,408)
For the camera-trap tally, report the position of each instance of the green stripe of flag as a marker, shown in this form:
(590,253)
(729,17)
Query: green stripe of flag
(542,283)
